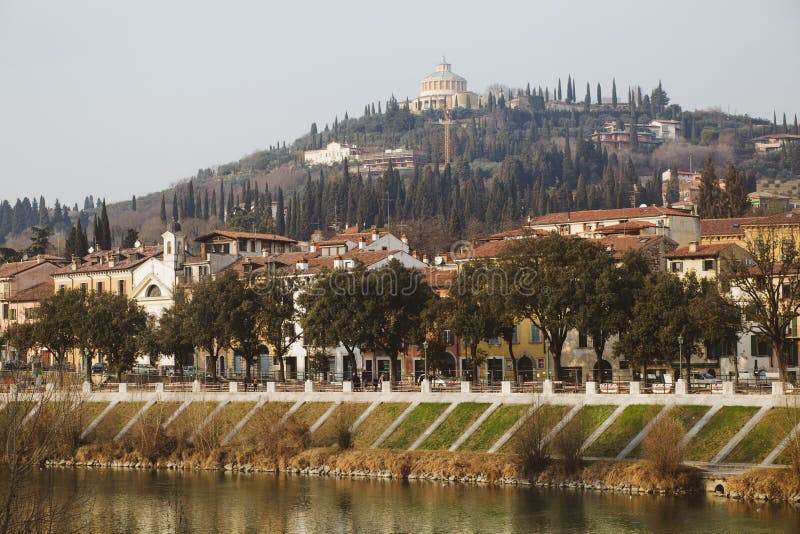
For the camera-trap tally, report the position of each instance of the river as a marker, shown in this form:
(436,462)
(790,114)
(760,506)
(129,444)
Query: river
(122,501)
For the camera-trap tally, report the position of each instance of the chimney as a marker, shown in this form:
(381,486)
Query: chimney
(247,266)
(312,247)
(75,261)
(425,258)
(338,262)
(375,234)
(302,264)
(692,246)
(414,254)
(404,239)
(362,243)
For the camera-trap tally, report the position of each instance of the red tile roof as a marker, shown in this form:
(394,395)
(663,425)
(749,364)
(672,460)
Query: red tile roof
(11,269)
(232,234)
(702,251)
(35,293)
(619,244)
(605,215)
(718,227)
(98,261)
(629,227)
(789,217)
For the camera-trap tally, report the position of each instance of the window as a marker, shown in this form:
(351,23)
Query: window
(447,337)
(121,287)
(677,266)
(12,314)
(760,346)
(62,288)
(30,313)
(540,363)
(84,287)
(709,265)
(536,334)
(5,310)
(493,341)
(99,287)
(515,336)
(582,342)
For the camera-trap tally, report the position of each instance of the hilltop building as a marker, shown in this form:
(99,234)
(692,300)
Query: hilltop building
(443,89)
(330,155)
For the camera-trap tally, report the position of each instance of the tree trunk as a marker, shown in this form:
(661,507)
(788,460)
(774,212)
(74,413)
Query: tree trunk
(779,350)
(282,370)
(392,368)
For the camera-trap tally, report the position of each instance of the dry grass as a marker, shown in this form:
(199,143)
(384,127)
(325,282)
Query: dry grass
(549,415)
(567,445)
(378,421)
(780,484)
(114,421)
(265,418)
(309,412)
(643,475)
(337,427)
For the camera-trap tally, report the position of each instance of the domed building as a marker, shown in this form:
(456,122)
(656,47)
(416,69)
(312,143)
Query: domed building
(444,88)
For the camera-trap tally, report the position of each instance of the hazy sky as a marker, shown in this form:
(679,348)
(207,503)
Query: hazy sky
(114,98)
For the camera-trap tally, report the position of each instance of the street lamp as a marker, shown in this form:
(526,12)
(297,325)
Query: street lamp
(425,353)
(680,356)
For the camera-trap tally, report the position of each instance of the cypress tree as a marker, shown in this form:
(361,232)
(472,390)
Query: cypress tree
(708,205)
(175,206)
(587,100)
(96,231)
(558,93)
(221,212)
(581,196)
(280,216)
(190,211)
(570,96)
(105,228)
(163,209)
(614,92)
(736,200)
(133,203)
(785,126)
(599,94)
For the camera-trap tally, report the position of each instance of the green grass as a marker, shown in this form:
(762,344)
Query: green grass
(326,434)
(624,428)
(191,418)
(551,414)
(378,421)
(114,421)
(266,417)
(454,426)
(718,431)
(415,424)
(12,415)
(688,415)
(230,415)
(589,418)
(495,425)
(765,436)
(309,412)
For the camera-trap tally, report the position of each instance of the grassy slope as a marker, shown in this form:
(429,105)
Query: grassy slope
(414,425)
(591,417)
(309,412)
(629,423)
(89,411)
(191,418)
(377,422)
(687,415)
(326,434)
(551,414)
(765,436)
(456,423)
(230,416)
(266,417)
(114,421)
(495,425)
(718,431)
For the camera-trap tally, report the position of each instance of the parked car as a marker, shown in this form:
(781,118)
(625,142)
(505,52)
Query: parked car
(99,369)
(12,365)
(703,378)
(188,371)
(143,369)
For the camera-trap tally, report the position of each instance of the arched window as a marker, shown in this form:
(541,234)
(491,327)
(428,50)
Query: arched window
(153,291)
(169,247)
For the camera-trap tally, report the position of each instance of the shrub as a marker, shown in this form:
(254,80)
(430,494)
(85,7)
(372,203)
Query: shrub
(567,445)
(662,446)
(343,428)
(148,437)
(530,445)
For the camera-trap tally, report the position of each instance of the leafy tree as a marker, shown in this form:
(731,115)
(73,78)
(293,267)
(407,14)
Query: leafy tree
(21,337)
(395,300)
(246,339)
(279,317)
(171,334)
(718,319)
(130,238)
(323,322)
(210,310)
(115,327)
(469,309)
(768,289)
(58,319)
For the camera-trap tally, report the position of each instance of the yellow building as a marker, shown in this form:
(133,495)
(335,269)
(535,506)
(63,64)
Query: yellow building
(528,346)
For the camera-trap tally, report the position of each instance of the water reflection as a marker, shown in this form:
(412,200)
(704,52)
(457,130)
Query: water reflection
(130,501)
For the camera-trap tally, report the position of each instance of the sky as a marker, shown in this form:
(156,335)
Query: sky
(127,97)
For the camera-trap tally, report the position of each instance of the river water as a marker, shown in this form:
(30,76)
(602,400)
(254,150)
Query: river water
(122,501)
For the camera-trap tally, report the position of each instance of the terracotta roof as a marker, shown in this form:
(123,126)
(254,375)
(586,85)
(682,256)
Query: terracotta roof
(438,278)
(702,251)
(35,293)
(605,215)
(317,263)
(735,226)
(619,244)
(630,227)
(789,217)
(776,136)
(8,270)
(98,261)
(232,234)
(488,249)
(519,232)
